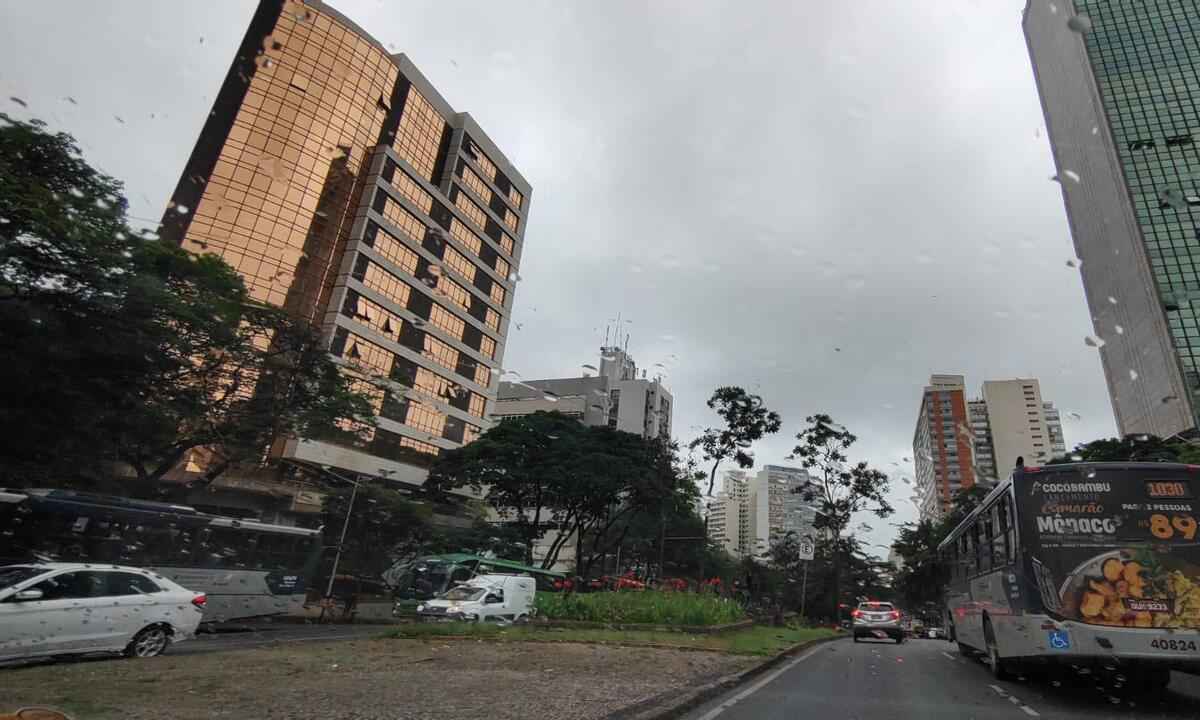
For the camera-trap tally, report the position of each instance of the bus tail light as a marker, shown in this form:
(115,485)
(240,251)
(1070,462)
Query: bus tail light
(199,601)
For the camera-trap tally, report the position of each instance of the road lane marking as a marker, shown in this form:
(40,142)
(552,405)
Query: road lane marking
(757,686)
(1015,701)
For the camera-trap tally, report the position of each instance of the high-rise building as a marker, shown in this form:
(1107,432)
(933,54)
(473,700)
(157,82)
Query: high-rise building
(942,445)
(616,397)
(1122,109)
(345,189)
(729,515)
(1017,420)
(1054,430)
(776,506)
(981,434)
(1010,420)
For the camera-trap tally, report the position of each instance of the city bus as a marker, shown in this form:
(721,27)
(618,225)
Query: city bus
(247,569)
(1082,564)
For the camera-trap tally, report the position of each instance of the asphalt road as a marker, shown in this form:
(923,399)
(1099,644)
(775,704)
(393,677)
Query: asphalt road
(923,679)
(266,635)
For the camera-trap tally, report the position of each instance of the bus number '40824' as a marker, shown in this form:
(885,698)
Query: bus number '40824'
(1165,644)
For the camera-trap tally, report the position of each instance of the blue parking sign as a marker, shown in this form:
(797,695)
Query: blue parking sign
(1059,640)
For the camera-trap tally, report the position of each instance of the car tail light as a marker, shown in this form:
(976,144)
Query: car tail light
(856,613)
(200,600)
(895,614)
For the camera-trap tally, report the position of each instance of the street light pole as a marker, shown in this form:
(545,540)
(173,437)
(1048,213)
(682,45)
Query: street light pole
(337,558)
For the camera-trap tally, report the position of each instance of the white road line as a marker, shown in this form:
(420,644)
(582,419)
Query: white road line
(948,655)
(757,686)
(1015,701)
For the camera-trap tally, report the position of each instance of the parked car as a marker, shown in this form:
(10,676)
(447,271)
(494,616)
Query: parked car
(483,598)
(49,609)
(936,633)
(878,620)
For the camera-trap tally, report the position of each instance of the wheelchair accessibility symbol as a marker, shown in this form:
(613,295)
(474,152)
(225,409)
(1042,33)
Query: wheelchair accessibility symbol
(1059,640)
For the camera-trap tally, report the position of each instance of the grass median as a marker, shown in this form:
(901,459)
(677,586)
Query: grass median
(758,640)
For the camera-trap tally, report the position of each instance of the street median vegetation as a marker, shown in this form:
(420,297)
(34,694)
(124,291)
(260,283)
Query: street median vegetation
(649,607)
(758,640)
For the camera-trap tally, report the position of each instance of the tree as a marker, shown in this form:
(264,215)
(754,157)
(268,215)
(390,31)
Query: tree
(746,420)
(118,348)
(516,466)
(840,489)
(922,578)
(1131,448)
(550,476)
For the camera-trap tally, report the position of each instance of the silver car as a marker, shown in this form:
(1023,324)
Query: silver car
(880,620)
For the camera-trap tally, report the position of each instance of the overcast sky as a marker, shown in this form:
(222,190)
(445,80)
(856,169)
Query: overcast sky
(822,202)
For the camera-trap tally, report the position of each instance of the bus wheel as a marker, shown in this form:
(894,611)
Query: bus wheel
(1001,669)
(966,650)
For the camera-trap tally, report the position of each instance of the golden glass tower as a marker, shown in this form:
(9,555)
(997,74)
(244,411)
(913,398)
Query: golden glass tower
(342,187)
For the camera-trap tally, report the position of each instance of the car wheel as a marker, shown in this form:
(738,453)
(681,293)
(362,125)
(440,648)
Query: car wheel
(148,642)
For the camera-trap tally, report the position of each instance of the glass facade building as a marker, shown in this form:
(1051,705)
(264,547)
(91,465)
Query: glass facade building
(1122,115)
(342,187)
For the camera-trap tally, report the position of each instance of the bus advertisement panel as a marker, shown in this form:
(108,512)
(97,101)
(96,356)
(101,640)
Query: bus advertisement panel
(1116,547)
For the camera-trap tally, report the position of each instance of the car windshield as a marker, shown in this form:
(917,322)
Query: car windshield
(463,593)
(703,324)
(12,574)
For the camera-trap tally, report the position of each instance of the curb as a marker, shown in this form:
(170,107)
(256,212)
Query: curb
(680,701)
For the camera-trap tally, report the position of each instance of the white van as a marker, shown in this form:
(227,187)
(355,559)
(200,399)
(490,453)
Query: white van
(483,598)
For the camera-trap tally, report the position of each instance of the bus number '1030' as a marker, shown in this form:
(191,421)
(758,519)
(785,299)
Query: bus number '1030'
(1164,644)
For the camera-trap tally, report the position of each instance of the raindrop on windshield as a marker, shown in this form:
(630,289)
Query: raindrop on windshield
(1093,341)
(1133,374)
(1071,175)
(1172,198)
(1120,330)
(1112,300)
(1074,415)
(1074,263)
(1081,24)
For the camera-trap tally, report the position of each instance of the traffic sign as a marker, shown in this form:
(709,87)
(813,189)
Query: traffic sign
(808,549)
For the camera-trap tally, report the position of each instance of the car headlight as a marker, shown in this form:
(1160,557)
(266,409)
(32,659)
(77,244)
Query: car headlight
(421,607)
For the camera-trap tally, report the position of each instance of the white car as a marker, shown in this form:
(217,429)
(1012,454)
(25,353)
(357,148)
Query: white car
(51,609)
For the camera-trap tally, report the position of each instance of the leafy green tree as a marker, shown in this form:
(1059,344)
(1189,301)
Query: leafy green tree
(116,348)
(922,579)
(746,420)
(840,489)
(547,473)
(1131,448)
(517,467)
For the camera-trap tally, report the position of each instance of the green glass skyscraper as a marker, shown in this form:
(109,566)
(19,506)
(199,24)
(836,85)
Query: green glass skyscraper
(1120,88)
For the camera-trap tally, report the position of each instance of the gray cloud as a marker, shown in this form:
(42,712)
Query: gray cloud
(822,202)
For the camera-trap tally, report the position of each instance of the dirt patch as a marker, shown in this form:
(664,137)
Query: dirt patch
(369,679)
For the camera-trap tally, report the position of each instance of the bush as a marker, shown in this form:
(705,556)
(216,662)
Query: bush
(670,608)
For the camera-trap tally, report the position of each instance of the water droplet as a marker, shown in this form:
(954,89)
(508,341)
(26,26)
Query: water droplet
(1074,263)
(1081,24)
(1172,198)
(1093,341)
(1071,175)
(1095,129)
(1133,374)
(1120,330)
(1112,300)
(1053,9)
(18,101)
